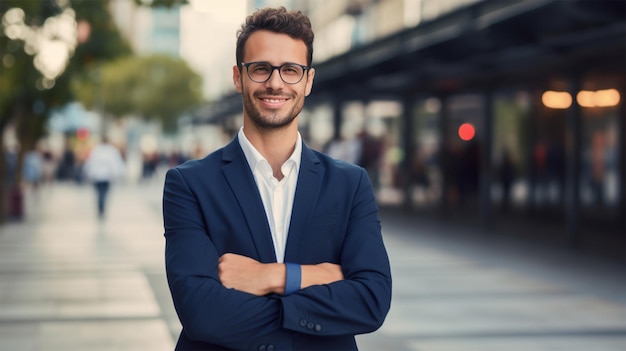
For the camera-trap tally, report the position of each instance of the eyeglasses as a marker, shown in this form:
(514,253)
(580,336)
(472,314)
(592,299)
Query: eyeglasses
(260,72)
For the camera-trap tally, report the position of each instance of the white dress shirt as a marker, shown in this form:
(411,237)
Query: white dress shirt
(277,195)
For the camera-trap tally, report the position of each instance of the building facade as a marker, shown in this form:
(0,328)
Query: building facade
(487,111)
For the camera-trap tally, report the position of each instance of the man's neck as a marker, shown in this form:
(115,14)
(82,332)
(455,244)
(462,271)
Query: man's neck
(275,145)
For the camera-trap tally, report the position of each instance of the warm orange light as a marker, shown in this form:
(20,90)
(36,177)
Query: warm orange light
(556,99)
(599,98)
(607,98)
(467,131)
(585,98)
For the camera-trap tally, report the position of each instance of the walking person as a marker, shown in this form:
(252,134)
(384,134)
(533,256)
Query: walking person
(32,168)
(271,245)
(103,166)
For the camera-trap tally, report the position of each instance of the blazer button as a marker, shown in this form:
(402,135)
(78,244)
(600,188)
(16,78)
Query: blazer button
(262,348)
(318,328)
(270,347)
(310,325)
(303,323)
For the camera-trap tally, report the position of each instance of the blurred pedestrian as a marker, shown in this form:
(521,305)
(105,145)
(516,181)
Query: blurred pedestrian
(49,165)
(271,245)
(371,156)
(507,176)
(103,166)
(348,150)
(32,168)
(67,164)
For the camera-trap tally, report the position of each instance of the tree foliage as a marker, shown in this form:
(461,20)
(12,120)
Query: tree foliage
(105,42)
(157,87)
(158,3)
(26,97)
(26,94)
(21,93)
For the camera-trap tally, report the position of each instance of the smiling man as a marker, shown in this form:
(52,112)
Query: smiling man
(271,245)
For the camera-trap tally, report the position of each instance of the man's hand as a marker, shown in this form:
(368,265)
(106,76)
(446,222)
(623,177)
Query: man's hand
(246,274)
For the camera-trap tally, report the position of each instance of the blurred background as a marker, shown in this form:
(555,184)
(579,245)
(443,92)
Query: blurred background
(476,108)
(500,117)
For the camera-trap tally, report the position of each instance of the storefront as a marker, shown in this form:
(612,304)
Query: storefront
(496,109)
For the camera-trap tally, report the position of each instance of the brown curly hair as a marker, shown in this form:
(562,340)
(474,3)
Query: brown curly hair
(279,20)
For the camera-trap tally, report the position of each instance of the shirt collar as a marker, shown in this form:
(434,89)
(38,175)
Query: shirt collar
(254,157)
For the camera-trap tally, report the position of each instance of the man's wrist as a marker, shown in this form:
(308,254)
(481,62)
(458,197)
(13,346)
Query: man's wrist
(293,278)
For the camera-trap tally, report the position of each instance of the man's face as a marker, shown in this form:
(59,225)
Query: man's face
(273,104)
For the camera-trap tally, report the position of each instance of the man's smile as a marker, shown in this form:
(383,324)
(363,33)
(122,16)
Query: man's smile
(273,101)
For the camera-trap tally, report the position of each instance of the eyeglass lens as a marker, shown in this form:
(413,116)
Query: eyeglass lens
(261,72)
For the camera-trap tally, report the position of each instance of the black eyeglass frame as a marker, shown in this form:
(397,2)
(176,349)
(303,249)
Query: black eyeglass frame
(247,65)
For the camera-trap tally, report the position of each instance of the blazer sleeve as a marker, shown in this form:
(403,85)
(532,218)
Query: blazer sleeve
(359,303)
(208,311)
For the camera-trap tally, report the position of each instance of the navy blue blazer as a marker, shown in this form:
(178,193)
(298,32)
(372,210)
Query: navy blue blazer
(212,206)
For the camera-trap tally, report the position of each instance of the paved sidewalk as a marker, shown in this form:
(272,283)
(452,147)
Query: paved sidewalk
(461,289)
(69,281)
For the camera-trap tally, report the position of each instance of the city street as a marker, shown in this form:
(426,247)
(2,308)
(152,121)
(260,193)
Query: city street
(69,281)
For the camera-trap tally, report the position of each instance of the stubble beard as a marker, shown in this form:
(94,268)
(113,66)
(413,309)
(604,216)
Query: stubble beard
(272,119)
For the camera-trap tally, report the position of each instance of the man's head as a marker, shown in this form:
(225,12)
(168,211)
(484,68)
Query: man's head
(293,23)
(273,73)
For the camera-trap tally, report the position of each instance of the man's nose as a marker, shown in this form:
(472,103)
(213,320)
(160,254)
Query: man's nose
(275,81)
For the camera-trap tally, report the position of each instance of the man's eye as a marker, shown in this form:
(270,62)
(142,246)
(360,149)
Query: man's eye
(290,70)
(261,69)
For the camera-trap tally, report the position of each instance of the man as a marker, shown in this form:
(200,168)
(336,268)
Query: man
(103,166)
(269,244)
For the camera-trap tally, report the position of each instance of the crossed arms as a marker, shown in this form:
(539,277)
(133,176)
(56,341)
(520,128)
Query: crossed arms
(246,274)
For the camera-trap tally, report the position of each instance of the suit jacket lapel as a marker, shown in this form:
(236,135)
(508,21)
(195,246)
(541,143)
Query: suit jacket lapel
(305,201)
(241,181)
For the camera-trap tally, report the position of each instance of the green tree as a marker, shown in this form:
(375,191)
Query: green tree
(157,3)
(157,87)
(26,94)
(28,91)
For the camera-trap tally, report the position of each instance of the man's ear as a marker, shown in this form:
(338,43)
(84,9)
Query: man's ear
(309,82)
(237,79)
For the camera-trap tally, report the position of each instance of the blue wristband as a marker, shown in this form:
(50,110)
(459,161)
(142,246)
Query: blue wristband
(293,278)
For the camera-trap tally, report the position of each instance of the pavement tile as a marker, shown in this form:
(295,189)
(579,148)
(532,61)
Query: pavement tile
(104,336)
(523,343)
(70,281)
